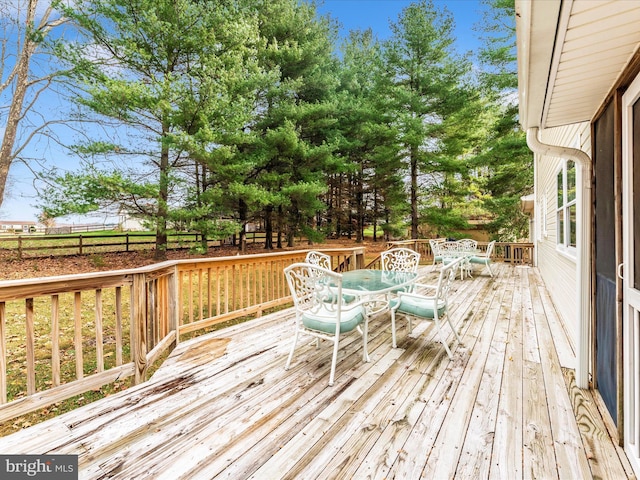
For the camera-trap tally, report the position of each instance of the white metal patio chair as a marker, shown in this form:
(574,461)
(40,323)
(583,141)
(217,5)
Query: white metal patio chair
(451,251)
(321,310)
(434,244)
(484,259)
(432,307)
(318,258)
(400,260)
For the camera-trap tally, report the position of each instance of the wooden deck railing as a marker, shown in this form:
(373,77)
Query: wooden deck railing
(509,252)
(63,336)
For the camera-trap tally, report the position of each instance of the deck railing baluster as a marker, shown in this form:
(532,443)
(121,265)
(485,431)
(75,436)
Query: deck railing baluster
(3,353)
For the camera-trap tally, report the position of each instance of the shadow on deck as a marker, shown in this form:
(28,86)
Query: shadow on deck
(222,405)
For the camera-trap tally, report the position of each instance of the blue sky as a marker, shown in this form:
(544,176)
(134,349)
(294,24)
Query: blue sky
(362,14)
(351,14)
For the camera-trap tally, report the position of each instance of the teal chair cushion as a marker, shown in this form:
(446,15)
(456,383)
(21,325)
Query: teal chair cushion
(437,258)
(480,260)
(418,307)
(324,319)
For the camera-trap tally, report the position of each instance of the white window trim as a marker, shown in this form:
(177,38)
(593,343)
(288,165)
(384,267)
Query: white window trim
(564,248)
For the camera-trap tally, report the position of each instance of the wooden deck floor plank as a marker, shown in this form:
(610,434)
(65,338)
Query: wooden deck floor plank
(565,350)
(266,408)
(530,351)
(570,455)
(375,461)
(539,459)
(390,446)
(601,453)
(408,362)
(286,433)
(288,458)
(263,412)
(128,430)
(447,448)
(475,458)
(390,412)
(222,405)
(506,459)
(411,456)
(369,421)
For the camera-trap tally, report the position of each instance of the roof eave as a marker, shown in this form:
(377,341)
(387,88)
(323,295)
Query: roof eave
(537,20)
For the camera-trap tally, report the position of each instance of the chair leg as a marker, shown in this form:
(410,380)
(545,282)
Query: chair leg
(334,360)
(488,264)
(365,338)
(293,347)
(454,330)
(393,328)
(443,340)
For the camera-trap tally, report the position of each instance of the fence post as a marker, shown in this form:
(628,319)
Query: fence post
(80,243)
(19,247)
(127,241)
(139,327)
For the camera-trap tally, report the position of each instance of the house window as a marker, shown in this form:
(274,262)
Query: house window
(567,207)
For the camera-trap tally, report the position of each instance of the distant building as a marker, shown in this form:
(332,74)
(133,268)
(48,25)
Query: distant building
(17,226)
(127,223)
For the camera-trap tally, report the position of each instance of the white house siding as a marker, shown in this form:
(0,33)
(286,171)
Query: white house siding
(558,268)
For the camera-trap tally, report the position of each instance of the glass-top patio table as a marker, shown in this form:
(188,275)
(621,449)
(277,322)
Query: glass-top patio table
(372,282)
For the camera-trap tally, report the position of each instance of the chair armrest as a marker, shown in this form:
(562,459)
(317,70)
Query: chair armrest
(425,286)
(373,307)
(418,296)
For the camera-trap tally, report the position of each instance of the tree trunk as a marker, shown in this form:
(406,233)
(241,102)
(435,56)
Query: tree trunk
(17,101)
(268,228)
(414,194)
(163,196)
(280,214)
(242,213)
(360,206)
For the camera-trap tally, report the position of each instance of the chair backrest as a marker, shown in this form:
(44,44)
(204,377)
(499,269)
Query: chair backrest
(446,278)
(314,288)
(434,243)
(318,258)
(490,247)
(468,243)
(400,260)
(449,249)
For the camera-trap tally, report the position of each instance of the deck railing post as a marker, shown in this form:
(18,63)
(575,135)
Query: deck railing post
(172,300)
(139,327)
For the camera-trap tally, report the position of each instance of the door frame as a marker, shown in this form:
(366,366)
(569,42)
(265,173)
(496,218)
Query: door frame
(631,296)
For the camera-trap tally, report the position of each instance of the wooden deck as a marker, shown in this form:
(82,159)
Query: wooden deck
(222,405)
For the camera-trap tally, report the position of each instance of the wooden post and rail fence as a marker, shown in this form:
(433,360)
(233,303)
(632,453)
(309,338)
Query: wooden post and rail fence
(66,335)
(29,246)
